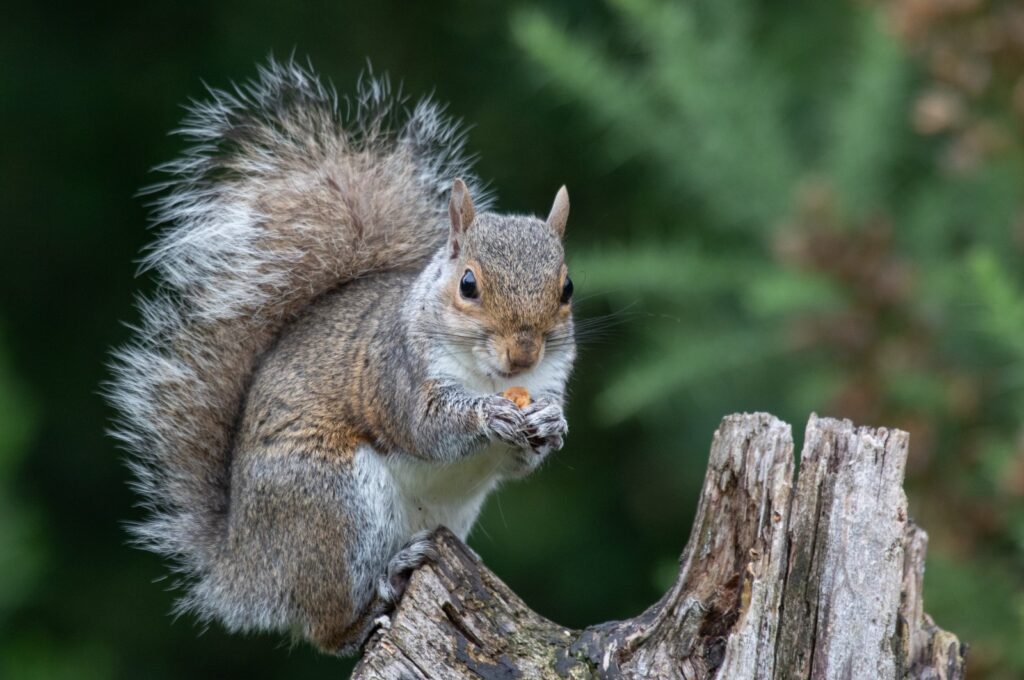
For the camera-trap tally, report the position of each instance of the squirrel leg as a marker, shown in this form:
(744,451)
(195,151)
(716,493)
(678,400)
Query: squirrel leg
(349,640)
(450,423)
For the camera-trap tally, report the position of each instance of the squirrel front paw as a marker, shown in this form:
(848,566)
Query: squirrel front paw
(504,421)
(546,428)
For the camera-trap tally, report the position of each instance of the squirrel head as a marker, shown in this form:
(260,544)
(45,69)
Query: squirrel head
(505,289)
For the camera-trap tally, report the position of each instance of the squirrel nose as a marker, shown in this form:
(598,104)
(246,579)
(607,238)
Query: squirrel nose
(522,355)
(520,362)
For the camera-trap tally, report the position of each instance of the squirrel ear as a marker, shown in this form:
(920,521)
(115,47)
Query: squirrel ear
(559,214)
(460,210)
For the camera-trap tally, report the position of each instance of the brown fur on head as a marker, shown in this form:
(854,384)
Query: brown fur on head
(507,281)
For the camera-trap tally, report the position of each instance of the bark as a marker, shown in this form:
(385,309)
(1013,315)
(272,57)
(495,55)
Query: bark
(784,576)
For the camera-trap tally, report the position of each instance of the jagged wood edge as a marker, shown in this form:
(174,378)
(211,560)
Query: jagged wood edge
(760,594)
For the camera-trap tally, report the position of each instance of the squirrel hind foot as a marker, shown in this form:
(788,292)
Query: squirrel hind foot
(418,551)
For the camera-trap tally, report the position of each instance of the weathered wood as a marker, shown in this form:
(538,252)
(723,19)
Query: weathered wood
(811,576)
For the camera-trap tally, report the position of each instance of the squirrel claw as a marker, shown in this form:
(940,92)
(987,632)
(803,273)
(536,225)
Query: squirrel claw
(545,430)
(547,427)
(419,550)
(504,421)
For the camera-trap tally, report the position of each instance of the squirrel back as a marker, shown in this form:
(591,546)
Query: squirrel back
(283,196)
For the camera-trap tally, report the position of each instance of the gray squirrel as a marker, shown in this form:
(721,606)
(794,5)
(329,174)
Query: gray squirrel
(317,382)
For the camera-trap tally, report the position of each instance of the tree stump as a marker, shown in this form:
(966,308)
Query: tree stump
(811,576)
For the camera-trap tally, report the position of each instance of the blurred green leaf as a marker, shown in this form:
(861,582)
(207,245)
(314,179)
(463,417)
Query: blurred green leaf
(696,356)
(868,120)
(699,102)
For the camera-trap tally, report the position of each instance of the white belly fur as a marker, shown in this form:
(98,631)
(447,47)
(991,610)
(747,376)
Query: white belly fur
(412,495)
(432,494)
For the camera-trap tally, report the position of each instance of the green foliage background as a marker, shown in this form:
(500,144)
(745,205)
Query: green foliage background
(750,198)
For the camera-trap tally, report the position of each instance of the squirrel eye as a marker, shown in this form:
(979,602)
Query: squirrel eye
(567,291)
(467,286)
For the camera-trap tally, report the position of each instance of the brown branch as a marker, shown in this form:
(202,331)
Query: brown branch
(818,576)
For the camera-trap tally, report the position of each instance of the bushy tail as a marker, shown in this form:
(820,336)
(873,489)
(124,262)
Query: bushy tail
(283,196)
